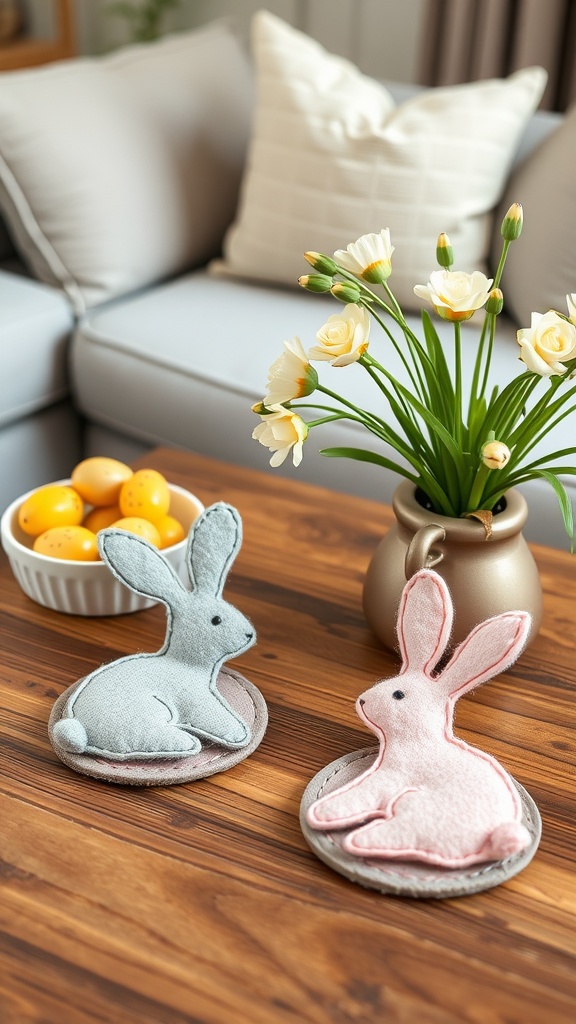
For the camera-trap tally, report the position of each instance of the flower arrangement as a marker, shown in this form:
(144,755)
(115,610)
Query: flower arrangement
(463,454)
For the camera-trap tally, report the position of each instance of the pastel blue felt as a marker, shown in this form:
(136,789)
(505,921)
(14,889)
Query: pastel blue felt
(166,704)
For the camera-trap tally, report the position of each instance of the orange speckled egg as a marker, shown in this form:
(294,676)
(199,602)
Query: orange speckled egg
(141,527)
(170,530)
(146,495)
(99,479)
(48,507)
(74,543)
(100,518)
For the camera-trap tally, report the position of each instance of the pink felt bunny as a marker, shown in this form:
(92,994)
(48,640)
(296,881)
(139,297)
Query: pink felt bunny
(431,796)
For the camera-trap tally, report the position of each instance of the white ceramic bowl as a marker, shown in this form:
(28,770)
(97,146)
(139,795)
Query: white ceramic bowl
(86,588)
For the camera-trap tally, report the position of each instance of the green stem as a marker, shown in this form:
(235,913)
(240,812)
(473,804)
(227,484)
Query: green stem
(393,300)
(501,263)
(365,290)
(457,428)
(328,419)
(369,422)
(478,364)
(362,414)
(369,365)
(488,355)
(417,383)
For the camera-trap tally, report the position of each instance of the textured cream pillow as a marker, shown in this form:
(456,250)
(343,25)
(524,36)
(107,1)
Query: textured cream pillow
(116,172)
(331,158)
(541,267)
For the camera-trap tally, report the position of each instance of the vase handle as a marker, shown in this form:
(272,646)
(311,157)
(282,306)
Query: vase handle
(420,554)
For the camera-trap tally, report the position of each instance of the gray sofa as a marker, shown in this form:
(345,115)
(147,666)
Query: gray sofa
(179,359)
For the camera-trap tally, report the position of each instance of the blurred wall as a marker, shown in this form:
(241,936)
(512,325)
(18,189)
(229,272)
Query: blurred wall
(382,36)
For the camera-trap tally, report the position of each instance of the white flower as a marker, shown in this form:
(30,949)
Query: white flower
(369,257)
(495,454)
(547,344)
(291,376)
(281,431)
(454,294)
(571,301)
(344,336)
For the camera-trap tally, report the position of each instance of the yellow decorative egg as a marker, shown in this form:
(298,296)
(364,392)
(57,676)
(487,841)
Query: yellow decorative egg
(48,507)
(146,495)
(170,530)
(100,518)
(99,479)
(74,543)
(141,527)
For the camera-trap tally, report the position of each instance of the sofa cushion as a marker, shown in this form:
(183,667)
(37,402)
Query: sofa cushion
(541,268)
(35,325)
(332,158)
(116,172)
(38,449)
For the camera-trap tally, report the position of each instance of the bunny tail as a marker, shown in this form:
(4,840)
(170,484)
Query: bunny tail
(507,840)
(70,734)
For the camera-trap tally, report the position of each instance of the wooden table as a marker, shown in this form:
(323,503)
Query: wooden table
(202,902)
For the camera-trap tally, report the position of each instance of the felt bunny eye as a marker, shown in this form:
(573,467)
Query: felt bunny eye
(398,694)
(216,620)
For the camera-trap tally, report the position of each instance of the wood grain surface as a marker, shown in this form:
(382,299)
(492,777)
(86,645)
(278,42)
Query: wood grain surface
(202,902)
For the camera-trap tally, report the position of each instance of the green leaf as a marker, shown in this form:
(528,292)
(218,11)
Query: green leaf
(535,428)
(475,423)
(434,423)
(506,409)
(563,501)
(361,455)
(428,483)
(561,454)
(438,360)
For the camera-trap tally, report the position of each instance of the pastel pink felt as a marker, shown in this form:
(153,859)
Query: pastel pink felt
(429,796)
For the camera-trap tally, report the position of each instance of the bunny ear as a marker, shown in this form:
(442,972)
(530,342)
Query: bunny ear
(489,649)
(214,543)
(424,621)
(139,565)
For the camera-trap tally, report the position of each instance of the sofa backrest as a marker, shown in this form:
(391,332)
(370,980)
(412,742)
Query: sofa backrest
(117,172)
(51,238)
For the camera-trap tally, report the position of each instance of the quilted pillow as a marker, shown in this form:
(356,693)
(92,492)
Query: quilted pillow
(116,172)
(332,158)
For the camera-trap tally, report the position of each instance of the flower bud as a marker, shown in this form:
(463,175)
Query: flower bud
(495,302)
(495,454)
(260,409)
(444,251)
(346,291)
(323,264)
(315,282)
(512,224)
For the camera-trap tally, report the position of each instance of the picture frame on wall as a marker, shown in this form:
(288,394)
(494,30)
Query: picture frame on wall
(33,32)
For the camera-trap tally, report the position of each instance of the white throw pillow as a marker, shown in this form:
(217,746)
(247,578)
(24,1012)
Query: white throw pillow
(117,172)
(332,158)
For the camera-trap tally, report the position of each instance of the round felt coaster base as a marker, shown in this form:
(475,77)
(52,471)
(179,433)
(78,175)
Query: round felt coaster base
(242,695)
(406,878)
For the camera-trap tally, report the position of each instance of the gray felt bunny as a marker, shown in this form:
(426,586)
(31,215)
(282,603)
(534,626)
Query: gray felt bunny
(166,704)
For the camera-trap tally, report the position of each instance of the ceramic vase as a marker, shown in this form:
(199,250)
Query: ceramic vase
(486,576)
